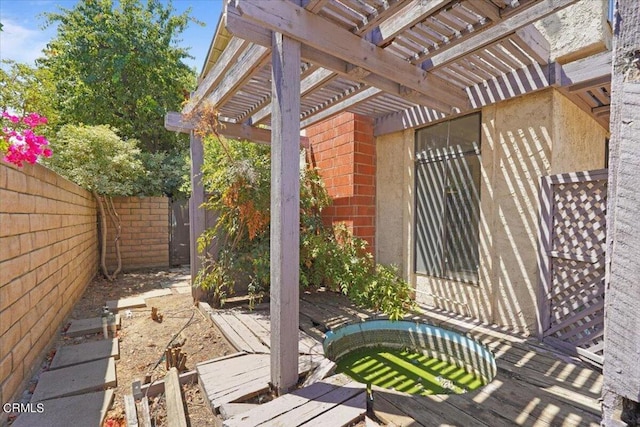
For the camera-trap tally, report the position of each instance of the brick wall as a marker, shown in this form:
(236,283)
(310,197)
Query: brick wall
(343,148)
(48,254)
(145,233)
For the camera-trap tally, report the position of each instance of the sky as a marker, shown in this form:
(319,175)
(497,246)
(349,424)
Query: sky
(23,38)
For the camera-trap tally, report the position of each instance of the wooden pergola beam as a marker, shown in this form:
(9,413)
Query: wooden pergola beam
(174,122)
(321,77)
(236,24)
(330,39)
(586,72)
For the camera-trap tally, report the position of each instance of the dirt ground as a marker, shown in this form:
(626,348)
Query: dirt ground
(143,340)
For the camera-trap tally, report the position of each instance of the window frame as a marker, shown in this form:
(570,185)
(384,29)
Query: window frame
(446,159)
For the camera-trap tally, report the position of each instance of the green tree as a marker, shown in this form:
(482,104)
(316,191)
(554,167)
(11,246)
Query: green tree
(118,63)
(97,159)
(26,89)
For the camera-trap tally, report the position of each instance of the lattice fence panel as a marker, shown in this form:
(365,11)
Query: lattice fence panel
(572,264)
(579,219)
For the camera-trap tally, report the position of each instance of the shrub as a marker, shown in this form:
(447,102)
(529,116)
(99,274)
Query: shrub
(237,176)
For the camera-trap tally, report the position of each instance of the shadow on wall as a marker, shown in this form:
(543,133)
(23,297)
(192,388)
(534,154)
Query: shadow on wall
(516,148)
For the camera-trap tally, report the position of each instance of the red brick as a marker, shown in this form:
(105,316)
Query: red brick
(365,190)
(365,169)
(366,210)
(360,179)
(365,231)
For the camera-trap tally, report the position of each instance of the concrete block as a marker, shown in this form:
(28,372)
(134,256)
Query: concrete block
(85,410)
(121,304)
(156,293)
(92,325)
(75,354)
(77,379)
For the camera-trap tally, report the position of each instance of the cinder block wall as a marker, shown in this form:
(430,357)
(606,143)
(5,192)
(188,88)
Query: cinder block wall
(145,233)
(48,255)
(343,148)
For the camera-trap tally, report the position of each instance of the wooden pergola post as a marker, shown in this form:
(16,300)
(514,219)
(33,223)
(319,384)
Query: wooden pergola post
(285,212)
(621,388)
(197,223)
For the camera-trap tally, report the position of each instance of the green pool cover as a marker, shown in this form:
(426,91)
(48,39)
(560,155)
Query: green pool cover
(406,371)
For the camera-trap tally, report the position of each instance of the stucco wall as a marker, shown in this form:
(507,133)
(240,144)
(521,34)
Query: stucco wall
(577,31)
(579,142)
(522,139)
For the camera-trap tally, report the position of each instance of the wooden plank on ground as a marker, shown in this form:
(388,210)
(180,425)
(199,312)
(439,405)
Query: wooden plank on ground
(325,368)
(287,402)
(421,409)
(143,411)
(175,406)
(245,332)
(157,387)
(225,370)
(130,411)
(313,408)
(229,333)
(241,392)
(306,325)
(227,380)
(390,414)
(252,331)
(229,410)
(344,414)
(322,317)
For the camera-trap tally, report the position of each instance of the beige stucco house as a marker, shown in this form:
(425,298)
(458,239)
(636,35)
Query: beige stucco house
(433,123)
(518,141)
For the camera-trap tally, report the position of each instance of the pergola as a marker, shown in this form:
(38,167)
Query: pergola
(405,63)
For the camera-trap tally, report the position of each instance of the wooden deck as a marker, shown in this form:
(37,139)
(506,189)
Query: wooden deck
(534,385)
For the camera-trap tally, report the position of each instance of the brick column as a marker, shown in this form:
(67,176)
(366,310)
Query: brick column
(343,149)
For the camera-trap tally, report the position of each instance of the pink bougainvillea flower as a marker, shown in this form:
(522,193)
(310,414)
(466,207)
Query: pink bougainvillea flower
(20,143)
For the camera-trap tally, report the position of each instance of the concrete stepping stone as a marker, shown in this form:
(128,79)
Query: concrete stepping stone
(85,410)
(124,303)
(92,325)
(77,379)
(156,293)
(69,355)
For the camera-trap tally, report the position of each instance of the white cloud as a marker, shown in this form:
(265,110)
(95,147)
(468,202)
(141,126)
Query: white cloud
(20,43)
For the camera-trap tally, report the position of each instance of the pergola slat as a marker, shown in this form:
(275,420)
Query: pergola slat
(411,14)
(507,26)
(315,32)
(235,47)
(254,58)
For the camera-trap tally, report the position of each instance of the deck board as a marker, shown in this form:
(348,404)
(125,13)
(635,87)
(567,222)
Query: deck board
(534,385)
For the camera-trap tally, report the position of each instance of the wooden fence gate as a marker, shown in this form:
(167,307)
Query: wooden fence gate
(572,262)
(179,246)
